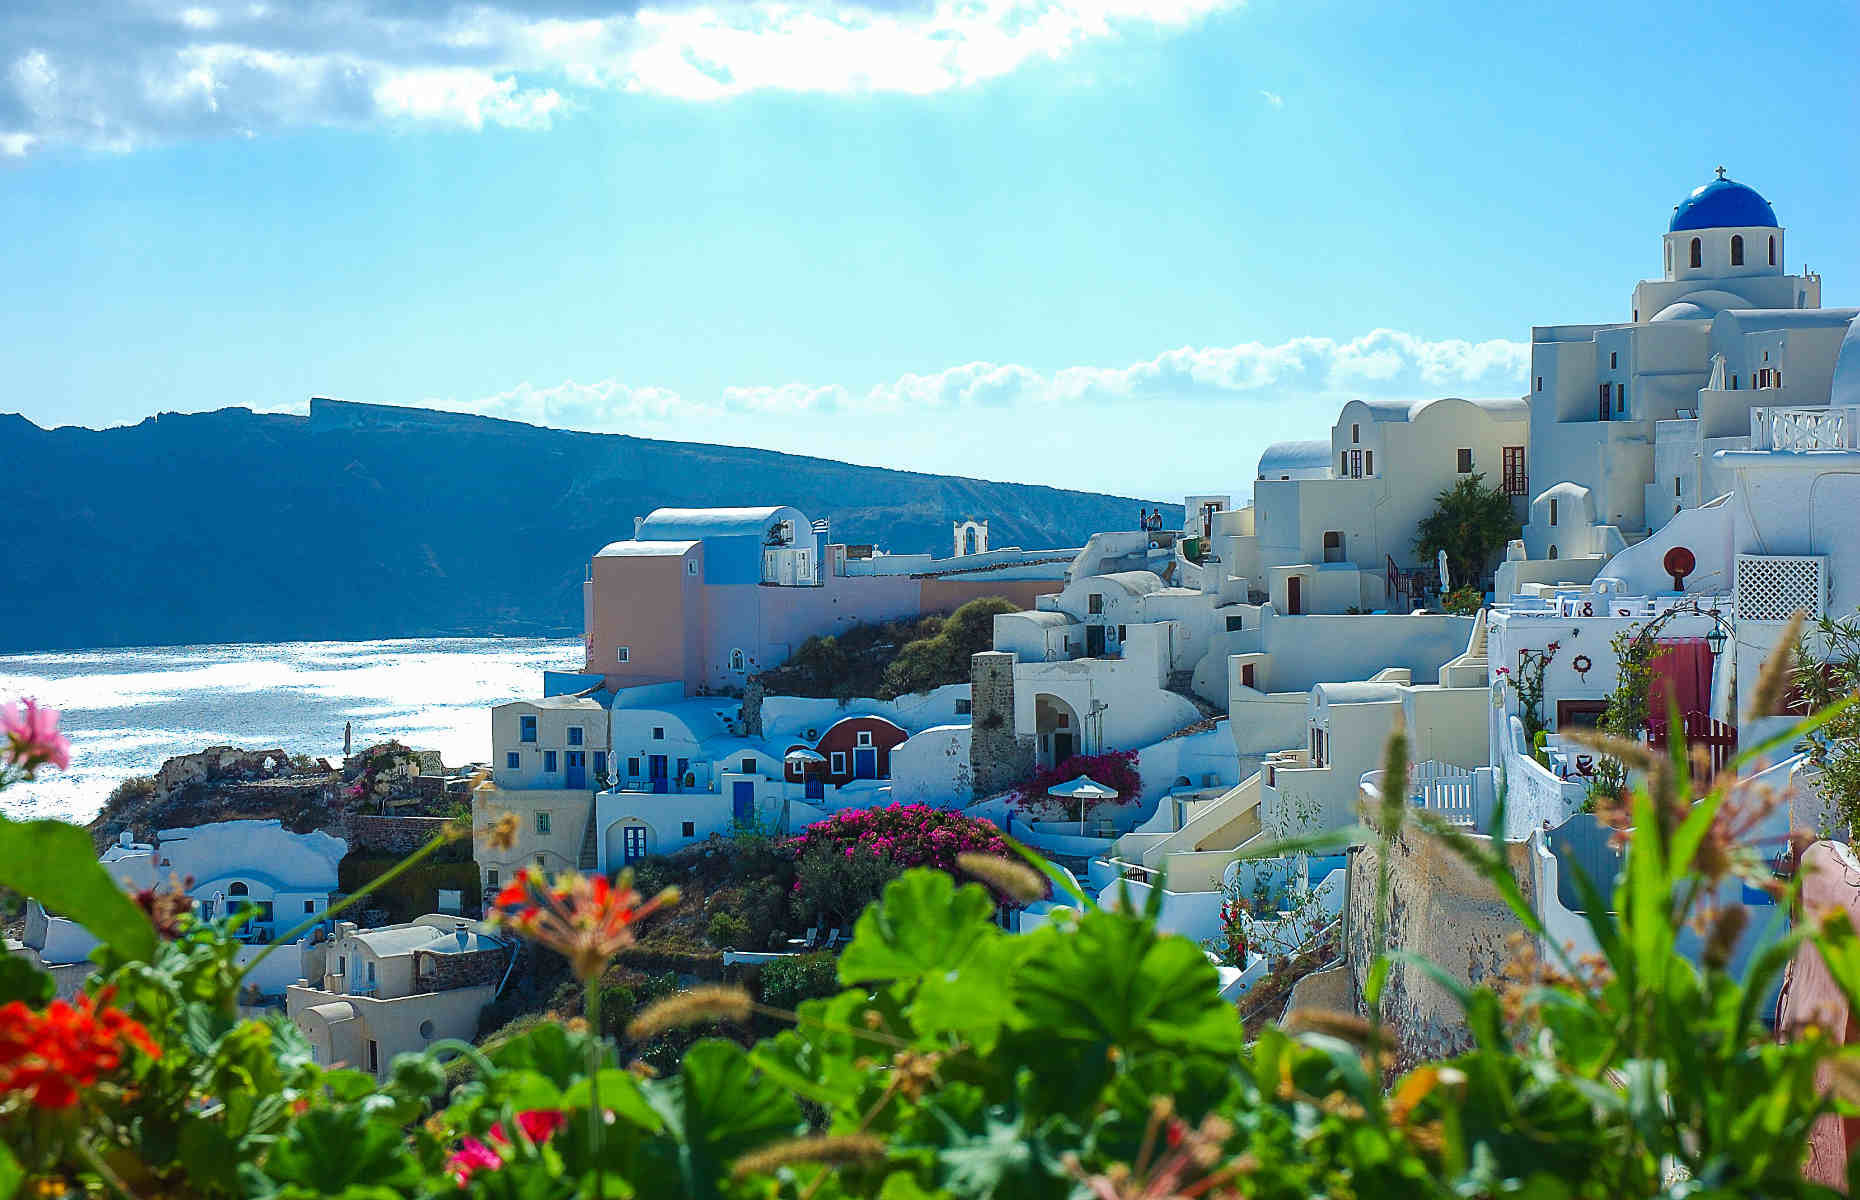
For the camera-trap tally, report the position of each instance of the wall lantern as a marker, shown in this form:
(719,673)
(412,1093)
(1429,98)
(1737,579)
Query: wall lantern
(1716,640)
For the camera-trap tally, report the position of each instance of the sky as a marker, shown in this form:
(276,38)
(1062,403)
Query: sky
(1105,244)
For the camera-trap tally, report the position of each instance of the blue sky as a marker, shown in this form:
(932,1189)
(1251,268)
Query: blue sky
(1099,243)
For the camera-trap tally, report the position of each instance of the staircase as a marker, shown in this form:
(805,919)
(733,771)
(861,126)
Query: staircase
(590,858)
(1470,669)
(1182,683)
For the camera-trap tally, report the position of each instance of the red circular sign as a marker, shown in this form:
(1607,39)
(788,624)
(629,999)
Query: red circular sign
(1680,561)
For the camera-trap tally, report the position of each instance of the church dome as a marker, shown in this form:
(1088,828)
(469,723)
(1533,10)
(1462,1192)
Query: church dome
(1723,204)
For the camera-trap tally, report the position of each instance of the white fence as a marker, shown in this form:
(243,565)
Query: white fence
(1797,429)
(1439,787)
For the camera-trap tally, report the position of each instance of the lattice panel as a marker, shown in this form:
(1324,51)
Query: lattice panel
(1775,587)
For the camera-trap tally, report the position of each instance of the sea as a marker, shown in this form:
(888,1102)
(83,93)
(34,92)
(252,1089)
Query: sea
(127,711)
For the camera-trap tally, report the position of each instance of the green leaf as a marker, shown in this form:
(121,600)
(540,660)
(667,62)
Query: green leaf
(11,1174)
(923,924)
(55,863)
(20,980)
(549,1050)
(716,1110)
(620,1095)
(1115,980)
(330,1149)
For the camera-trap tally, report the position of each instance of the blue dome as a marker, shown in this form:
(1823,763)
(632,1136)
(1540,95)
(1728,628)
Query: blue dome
(1721,204)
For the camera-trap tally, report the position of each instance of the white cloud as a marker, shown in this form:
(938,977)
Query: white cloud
(167,70)
(1273,99)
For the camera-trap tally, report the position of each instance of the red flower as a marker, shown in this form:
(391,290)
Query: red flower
(537,1124)
(586,920)
(49,1057)
(472,1156)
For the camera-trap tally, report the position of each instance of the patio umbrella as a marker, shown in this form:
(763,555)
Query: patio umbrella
(801,756)
(1083,789)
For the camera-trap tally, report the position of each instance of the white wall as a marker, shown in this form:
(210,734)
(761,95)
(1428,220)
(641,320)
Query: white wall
(932,767)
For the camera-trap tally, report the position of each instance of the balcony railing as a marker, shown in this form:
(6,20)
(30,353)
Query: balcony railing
(1800,429)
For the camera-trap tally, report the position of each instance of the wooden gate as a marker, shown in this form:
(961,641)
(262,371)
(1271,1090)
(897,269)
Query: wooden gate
(1700,729)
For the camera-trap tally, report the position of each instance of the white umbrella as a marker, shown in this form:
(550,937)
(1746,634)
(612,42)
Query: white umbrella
(802,755)
(1082,789)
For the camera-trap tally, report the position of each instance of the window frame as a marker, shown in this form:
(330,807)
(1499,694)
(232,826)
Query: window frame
(549,762)
(1094,604)
(1463,460)
(688,829)
(541,822)
(577,735)
(623,654)
(527,728)
(836,762)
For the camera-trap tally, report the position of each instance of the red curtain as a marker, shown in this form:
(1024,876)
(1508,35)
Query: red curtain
(1681,671)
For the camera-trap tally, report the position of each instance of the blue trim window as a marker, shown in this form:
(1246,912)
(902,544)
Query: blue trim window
(574,735)
(600,763)
(528,733)
(548,762)
(512,760)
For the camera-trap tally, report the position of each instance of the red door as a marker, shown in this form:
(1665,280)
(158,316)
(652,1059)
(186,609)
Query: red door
(1294,596)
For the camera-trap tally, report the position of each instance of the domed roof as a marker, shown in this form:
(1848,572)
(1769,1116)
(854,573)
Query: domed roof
(1722,203)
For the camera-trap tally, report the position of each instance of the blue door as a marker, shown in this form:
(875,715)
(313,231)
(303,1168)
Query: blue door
(576,774)
(655,770)
(632,844)
(816,788)
(865,762)
(743,801)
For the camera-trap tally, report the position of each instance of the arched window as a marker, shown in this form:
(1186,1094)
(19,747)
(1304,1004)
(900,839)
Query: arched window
(736,660)
(1737,249)
(1553,552)
(1669,258)
(1772,250)
(237,889)
(1333,546)
(1698,253)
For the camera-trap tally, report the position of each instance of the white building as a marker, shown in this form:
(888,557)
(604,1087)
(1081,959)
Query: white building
(281,878)
(1626,417)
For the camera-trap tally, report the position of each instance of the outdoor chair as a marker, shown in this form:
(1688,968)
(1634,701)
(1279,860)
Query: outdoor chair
(833,939)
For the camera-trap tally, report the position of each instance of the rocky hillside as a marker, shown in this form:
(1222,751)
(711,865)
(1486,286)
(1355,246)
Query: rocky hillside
(361,521)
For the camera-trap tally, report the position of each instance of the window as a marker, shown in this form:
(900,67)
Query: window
(528,731)
(1246,674)
(1369,462)
(1235,624)
(374,1053)
(736,660)
(1333,546)
(1614,360)
(539,863)
(691,566)
(1734,383)
(1094,603)
(1356,464)
(1355,434)
(965,707)
(1553,552)
(1516,480)
(1121,635)
(1737,249)
(1675,485)
(837,763)
(1465,460)
(574,735)
(1669,258)
(1553,510)
(1772,251)
(1343,464)
(512,760)
(749,766)
(427,1031)
(237,889)
(632,768)
(1697,253)
(490,879)
(623,654)
(600,763)
(1620,397)
(658,733)
(309,906)
(548,762)
(688,829)
(865,737)
(1540,383)
(542,822)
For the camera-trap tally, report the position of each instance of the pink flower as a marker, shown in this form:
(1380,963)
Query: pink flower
(32,737)
(472,1156)
(538,1125)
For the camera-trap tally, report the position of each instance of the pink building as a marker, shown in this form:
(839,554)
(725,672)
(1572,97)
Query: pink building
(711,596)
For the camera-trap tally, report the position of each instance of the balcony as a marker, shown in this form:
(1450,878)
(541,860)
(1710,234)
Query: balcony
(1795,430)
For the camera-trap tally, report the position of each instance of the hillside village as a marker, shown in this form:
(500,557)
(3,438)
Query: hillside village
(1156,705)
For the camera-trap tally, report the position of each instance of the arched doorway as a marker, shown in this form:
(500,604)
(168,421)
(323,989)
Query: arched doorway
(627,841)
(1056,729)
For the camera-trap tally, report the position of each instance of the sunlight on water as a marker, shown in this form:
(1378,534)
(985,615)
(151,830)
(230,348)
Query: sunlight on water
(126,711)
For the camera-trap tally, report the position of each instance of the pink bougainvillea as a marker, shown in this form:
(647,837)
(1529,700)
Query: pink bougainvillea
(908,835)
(1116,769)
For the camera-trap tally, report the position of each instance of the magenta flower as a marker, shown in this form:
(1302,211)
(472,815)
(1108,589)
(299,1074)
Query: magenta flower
(472,1156)
(32,737)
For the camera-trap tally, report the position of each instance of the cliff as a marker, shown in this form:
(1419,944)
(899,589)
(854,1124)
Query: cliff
(363,521)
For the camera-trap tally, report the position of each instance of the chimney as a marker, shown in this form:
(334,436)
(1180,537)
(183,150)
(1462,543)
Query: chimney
(637,523)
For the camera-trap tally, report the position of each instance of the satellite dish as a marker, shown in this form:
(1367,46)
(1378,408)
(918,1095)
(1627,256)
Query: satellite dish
(1679,563)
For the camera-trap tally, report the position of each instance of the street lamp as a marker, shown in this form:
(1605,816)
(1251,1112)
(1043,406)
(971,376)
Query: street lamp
(1716,640)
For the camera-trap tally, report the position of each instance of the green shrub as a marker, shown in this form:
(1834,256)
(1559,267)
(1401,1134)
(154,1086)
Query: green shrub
(727,931)
(836,886)
(785,982)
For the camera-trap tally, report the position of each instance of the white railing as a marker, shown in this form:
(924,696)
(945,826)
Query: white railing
(1438,787)
(1799,429)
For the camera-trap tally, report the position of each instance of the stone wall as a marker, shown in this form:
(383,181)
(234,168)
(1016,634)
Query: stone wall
(1443,910)
(444,972)
(998,757)
(392,835)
